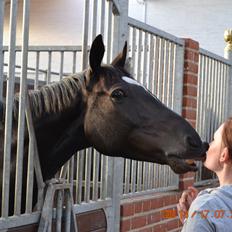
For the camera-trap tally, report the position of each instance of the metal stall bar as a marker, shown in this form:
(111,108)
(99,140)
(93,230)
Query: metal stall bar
(36,84)
(21,118)
(109,31)
(88,173)
(48,77)
(85,36)
(9,106)
(94,19)
(96,164)
(61,64)
(79,185)
(2,6)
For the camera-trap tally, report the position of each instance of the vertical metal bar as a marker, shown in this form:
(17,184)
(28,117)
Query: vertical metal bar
(145,82)
(85,36)
(151,62)
(48,79)
(9,106)
(139,48)
(2,7)
(71,172)
(61,64)
(208,99)
(156,65)
(160,72)
(224,92)
(206,96)
(127,175)
(37,167)
(30,177)
(36,84)
(134,48)
(217,79)
(80,164)
(220,92)
(199,100)
(67,212)
(165,73)
(133,175)
(178,78)
(102,23)
(74,62)
(139,176)
(103,188)
(145,175)
(21,118)
(59,210)
(95,175)
(94,19)
(109,32)
(88,174)
(170,76)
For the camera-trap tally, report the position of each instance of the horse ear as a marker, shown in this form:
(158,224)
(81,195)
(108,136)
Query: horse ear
(96,53)
(121,58)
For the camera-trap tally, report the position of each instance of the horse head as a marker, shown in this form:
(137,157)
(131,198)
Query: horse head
(124,119)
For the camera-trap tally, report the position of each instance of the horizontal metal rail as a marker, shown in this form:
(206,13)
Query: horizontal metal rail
(145,27)
(214,56)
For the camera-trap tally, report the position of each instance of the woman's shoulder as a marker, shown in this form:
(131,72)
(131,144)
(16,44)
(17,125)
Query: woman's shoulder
(220,197)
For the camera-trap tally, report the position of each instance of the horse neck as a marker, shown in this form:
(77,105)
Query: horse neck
(60,130)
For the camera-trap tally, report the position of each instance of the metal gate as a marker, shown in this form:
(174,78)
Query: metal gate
(112,24)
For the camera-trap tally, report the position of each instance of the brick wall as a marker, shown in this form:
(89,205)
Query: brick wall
(157,212)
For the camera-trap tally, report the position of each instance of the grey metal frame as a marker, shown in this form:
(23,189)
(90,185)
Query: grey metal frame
(213,98)
(156,61)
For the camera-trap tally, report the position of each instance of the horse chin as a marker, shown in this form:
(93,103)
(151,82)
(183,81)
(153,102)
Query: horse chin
(181,166)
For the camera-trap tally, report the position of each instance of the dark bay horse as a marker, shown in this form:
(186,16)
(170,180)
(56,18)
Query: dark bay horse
(104,107)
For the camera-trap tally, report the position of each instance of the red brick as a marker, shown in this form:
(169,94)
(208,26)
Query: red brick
(156,228)
(189,43)
(189,102)
(138,207)
(172,224)
(190,67)
(156,203)
(138,222)
(127,210)
(190,90)
(146,230)
(146,205)
(189,55)
(190,78)
(154,217)
(125,225)
(196,57)
(189,114)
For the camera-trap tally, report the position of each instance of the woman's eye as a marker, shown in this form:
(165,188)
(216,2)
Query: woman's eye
(118,94)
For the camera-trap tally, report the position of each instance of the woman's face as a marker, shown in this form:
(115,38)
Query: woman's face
(215,150)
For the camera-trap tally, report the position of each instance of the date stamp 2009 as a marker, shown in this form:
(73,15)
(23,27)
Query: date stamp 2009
(203,214)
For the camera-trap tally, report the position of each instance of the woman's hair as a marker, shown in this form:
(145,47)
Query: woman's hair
(227,135)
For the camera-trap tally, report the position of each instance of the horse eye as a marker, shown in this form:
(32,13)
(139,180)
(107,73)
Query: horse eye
(118,94)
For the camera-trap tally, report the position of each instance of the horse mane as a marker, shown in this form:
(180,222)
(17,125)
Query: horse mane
(53,98)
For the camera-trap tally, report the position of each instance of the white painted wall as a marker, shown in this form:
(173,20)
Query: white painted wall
(202,20)
(59,22)
(52,22)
